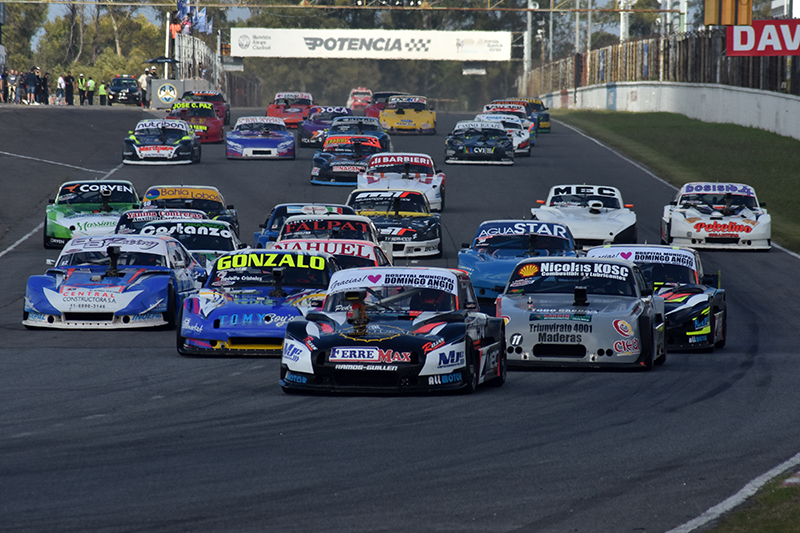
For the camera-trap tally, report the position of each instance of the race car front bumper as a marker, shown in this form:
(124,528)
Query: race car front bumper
(415,248)
(93,320)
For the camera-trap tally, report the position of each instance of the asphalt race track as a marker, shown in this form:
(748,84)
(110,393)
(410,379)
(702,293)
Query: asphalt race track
(113,431)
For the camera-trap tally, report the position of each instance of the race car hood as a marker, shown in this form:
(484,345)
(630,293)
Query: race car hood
(397,181)
(212,304)
(587,225)
(683,298)
(87,224)
(407,227)
(564,303)
(710,216)
(490,270)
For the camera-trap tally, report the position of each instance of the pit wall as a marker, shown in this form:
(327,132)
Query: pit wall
(775,112)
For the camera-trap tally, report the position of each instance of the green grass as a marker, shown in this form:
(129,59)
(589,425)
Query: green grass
(679,150)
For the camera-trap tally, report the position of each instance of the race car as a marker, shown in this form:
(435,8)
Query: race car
(201,117)
(342,157)
(84,208)
(259,138)
(395,330)
(697,311)
(248,300)
(349,253)
(479,143)
(113,282)
(311,132)
(403,218)
(717,216)
(124,89)
(359,99)
(540,114)
(328,226)
(520,136)
(205,198)
(499,245)
(291,107)
(221,107)
(359,126)
(595,214)
(378,102)
(133,220)
(408,114)
(519,110)
(578,311)
(161,142)
(271,228)
(205,239)
(405,171)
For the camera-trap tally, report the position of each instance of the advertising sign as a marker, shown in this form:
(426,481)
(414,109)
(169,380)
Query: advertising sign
(765,38)
(372,44)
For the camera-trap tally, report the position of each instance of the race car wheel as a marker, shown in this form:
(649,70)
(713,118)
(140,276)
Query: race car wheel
(666,239)
(181,343)
(500,380)
(473,369)
(442,191)
(172,309)
(647,341)
(721,343)
(45,240)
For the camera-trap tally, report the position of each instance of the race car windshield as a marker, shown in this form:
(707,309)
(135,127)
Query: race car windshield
(718,200)
(396,299)
(327,115)
(542,244)
(354,261)
(361,94)
(530,282)
(415,106)
(194,236)
(101,258)
(486,135)
(293,101)
(94,197)
(124,83)
(410,204)
(205,97)
(262,276)
(260,127)
(200,112)
(582,200)
(207,206)
(355,128)
(355,231)
(401,168)
(658,273)
(171,134)
(358,147)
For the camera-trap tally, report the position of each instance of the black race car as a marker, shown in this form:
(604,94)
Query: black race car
(161,142)
(124,89)
(486,143)
(394,330)
(360,126)
(311,132)
(403,218)
(342,157)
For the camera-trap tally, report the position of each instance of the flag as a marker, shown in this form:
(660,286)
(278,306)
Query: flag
(210,26)
(201,24)
(183,9)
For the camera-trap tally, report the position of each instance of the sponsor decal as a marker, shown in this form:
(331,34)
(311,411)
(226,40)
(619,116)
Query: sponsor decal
(445,379)
(522,228)
(391,368)
(347,280)
(255,319)
(764,38)
(623,328)
(716,228)
(102,243)
(346,168)
(428,346)
(560,328)
(732,188)
(515,340)
(559,338)
(181,228)
(96,187)
(482,150)
(528,271)
(295,378)
(167,93)
(370,355)
(697,339)
(577,317)
(627,347)
(183,192)
(333,247)
(291,352)
(188,325)
(386,160)
(583,189)
(602,270)
(193,105)
(451,359)
(256,259)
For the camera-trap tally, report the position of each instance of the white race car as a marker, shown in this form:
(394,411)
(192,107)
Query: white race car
(717,215)
(595,214)
(515,128)
(405,171)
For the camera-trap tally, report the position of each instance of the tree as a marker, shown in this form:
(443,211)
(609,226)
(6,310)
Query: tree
(22,23)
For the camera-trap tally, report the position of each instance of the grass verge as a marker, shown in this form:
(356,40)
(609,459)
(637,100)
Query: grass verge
(680,149)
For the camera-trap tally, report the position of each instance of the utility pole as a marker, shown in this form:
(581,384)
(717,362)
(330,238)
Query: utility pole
(526,41)
(577,27)
(550,34)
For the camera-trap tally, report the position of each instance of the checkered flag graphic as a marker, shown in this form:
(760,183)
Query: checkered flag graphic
(417,45)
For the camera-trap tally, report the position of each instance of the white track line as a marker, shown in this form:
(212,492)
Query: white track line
(752,487)
(52,162)
(41,224)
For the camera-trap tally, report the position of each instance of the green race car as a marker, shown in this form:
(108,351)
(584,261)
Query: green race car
(86,208)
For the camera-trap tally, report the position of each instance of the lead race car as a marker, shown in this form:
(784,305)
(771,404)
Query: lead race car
(248,300)
(697,311)
(259,138)
(717,216)
(83,208)
(595,214)
(499,245)
(578,311)
(479,143)
(405,171)
(161,142)
(395,330)
(113,282)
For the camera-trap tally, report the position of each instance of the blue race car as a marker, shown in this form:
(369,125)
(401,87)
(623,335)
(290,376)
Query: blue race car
(311,132)
(249,298)
(113,282)
(259,138)
(272,227)
(500,244)
(342,158)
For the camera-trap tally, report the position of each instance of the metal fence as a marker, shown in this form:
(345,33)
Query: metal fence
(689,57)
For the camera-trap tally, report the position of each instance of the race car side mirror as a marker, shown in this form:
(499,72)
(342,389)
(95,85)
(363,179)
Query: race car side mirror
(673,202)
(471,306)
(712,280)
(50,262)
(629,206)
(465,245)
(762,204)
(51,201)
(647,291)
(230,206)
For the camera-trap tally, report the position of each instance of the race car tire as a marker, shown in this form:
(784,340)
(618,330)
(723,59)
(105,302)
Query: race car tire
(181,342)
(500,380)
(442,193)
(473,369)
(721,343)
(45,240)
(199,155)
(666,239)
(647,341)
(528,153)
(24,318)
(172,308)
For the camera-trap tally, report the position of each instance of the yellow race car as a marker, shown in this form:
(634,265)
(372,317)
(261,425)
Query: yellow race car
(408,114)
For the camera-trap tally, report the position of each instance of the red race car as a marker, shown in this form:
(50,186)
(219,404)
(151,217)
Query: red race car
(291,107)
(378,102)
(221,107)
(359,99)
(202,118)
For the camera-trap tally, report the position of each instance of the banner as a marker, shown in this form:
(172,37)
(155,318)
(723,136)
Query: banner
(779,37)
(372,44)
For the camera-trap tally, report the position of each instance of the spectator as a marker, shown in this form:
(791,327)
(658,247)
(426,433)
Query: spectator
(12,87)
(22,87)
(174,27)
(186,25)
(44,89)
(60,85)
(4,86)
(69,88)
(90,91)
(31,82)
(102,92)
(82,89)
(143,79)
